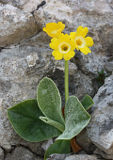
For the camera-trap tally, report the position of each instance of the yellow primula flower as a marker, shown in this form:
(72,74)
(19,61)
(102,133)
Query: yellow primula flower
(82,42)
(63,47)
(54,29)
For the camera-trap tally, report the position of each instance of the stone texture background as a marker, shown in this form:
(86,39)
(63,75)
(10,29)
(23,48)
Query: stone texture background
(25,57)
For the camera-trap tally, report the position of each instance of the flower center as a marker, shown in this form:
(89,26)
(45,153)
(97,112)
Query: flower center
(64,47)
(80,42)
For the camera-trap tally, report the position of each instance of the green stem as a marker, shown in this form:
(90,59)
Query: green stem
(66,81)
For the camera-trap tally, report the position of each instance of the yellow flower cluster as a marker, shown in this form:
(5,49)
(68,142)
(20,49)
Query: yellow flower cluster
(63,45)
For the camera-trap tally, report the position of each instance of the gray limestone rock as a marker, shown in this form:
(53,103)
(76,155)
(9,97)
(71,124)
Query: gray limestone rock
(1,154)
(15,25)
(21,153)
(5,1)
(84,141)
(27,5)
(82,157)
(22,66)
(100,129)
(57,157)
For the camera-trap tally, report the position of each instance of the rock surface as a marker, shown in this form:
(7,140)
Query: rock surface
(57,157)
(1,154)
(15,25)
(82,157)
(21,153)
(25,58)
(100,129)
(85,142)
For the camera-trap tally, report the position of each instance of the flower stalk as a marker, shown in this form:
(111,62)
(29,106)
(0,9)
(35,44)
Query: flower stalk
(66,81)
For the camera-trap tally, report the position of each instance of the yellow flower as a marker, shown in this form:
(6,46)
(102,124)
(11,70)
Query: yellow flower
(54,29)
(81,41)
(63,47)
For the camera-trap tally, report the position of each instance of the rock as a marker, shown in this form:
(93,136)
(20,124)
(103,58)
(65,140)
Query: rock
(109,66)
(15,25)
(82,157)
(100,129)
(29,6)
(13,90)
(22,66)
(57,157)
(4,1)
(32,58)
(21,153)
(95,6)
(26,5)
(1,154)
(47,144)
(110,3)
(56,10)
(85,143)
(77,86)
(103,154)
(19,3)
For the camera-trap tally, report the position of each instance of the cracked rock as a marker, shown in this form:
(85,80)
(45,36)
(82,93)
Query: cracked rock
(84,141)
(15,25)
(21,153)
(22,66)
(4,1)
(82,157)
(57,157)
(100,129)
(1,154)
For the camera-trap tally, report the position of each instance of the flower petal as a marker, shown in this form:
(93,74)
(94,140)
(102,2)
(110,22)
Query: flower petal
(72,35)
(82,31)
(69,55)
(54,29)
(58,45)
(57,55)
(54,43)
(89,41)
(44,29)
(61,25)
(85,50)
(72,53)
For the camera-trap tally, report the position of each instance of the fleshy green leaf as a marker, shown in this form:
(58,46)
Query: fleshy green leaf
(87,102)
(57,125)
(60,147)
(76,119)
(24,118)
(49,100)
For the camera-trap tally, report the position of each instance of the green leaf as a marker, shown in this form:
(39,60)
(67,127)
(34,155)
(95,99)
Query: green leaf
(60,147)
(57,125)
(24,118)
(49,100)
(87,102)
(76,119)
